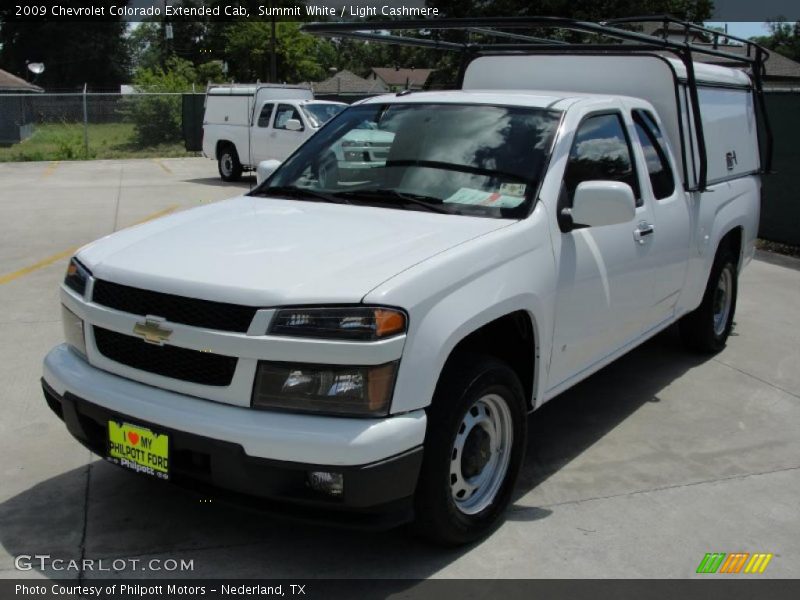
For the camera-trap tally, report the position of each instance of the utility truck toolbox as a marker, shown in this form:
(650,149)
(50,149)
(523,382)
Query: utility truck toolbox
(362,341)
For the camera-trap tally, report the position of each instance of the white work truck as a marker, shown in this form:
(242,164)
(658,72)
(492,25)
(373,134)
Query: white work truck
(246,124)
(367,351)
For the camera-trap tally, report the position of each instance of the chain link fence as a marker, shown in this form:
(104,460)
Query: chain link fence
(70,126)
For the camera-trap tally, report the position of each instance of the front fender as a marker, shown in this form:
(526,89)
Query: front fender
(454,293)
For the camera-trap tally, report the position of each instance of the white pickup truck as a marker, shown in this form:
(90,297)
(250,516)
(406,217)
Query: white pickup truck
(369,352)
(244,125)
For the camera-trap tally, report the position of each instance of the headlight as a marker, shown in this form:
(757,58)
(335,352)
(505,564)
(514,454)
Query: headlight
(337,390)
(73,330)
(77,276)
(347,322)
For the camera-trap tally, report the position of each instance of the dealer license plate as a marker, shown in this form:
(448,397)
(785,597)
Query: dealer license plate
(138,449)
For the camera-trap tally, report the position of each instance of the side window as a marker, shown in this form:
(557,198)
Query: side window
(284,113)
(655,154)
(600,151)
(266,113)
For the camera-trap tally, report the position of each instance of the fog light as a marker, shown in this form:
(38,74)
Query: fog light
(73,331)
(331,484)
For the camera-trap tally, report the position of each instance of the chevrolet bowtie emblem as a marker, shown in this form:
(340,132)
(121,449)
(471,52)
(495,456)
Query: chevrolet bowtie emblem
(152,332)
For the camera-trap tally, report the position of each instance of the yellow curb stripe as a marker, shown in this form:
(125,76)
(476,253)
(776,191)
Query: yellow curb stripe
(36,266)
(46,262)
(50,169)
(156,215)
(167,170)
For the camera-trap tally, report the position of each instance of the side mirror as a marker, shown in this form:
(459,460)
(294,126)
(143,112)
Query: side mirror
(598,203)
(266,168)
(294,125)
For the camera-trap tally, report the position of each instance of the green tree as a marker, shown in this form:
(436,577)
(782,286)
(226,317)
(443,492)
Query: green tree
(784,38)
(590,10)
(73,52)
(245,46)
(157,118)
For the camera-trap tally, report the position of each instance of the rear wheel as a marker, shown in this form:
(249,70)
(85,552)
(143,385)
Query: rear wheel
(230,169)
(706,329)
(474,448)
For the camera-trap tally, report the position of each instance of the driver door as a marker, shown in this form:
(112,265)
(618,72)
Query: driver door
(605,285)
(285,141)
(259,137)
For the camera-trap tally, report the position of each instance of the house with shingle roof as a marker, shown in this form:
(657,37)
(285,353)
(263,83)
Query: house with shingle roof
(396,79)
(16,112)
(344,82)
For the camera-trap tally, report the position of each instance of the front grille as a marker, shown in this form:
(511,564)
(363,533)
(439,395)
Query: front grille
(178,309)
(170,361)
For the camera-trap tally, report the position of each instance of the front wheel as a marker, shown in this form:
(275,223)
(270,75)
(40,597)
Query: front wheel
(706,329)
(477,427)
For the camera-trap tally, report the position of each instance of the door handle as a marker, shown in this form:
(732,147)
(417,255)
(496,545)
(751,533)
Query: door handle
(642,231)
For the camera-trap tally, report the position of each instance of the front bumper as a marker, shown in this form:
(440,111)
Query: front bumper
(253,458)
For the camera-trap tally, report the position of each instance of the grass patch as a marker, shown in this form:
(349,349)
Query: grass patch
(778,248)
(64,141)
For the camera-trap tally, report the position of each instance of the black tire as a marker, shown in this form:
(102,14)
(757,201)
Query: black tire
(230,169)
(466,381)
(706,329)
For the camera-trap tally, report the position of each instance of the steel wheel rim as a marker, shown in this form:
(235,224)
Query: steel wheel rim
(723,298)
(483,444)
(227,164)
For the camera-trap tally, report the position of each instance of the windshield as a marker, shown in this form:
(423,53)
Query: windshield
(480,160)
(319,113)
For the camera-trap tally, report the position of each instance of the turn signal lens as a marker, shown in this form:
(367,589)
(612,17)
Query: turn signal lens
(346,322)
(389,322)
(77,276)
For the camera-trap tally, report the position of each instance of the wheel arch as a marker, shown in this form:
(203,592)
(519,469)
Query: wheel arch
(511,338)
(223,144)
(733,239)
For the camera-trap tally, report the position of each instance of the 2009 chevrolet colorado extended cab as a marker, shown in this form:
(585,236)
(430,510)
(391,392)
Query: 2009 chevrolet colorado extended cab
(369,350)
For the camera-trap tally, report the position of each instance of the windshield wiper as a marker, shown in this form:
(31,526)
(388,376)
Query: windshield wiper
(300,193)
(429,203)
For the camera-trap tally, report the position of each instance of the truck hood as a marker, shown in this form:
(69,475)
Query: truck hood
(268,252)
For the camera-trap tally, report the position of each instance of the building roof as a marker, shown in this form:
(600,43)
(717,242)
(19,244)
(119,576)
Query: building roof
(345,82)
(777,66)
(392,76)
(674,31)
(12,83)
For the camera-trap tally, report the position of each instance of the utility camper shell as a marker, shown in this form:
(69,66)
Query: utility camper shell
(235,104)
(714,117)
(726,100)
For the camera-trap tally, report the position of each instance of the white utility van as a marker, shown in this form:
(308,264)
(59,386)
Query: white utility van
(366,349)
(246,124)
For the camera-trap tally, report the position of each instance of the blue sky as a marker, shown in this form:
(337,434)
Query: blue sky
(743,29)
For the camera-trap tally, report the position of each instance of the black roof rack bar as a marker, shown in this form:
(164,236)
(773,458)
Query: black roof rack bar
(632,41)
(372,29)
(399,40)
(687,27)
(513,36)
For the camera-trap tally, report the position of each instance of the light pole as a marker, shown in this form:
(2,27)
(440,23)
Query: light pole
(273,65)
